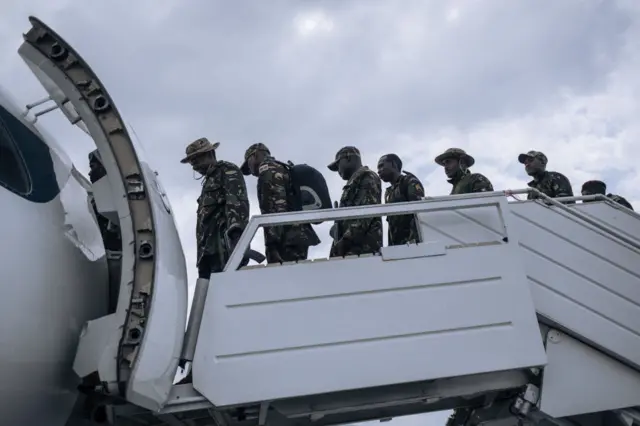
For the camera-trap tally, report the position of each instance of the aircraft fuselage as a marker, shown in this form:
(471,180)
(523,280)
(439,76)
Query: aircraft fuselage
(54,273)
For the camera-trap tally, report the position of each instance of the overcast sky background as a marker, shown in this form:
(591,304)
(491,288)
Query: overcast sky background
(495,77)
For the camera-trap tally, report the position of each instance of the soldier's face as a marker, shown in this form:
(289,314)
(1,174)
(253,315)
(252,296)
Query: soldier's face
(532,165)
(385,170)
(253,163)
(451,166)
(201,163)
(96,171)
(347,166)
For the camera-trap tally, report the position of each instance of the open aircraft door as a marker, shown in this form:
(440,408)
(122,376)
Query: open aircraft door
(134,352)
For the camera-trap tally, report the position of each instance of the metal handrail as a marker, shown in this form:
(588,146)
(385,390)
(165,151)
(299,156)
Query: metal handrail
(451,202)
(454,202)
(573,212)
(598,197)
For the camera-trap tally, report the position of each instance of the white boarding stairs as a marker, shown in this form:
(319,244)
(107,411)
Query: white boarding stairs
(526,310)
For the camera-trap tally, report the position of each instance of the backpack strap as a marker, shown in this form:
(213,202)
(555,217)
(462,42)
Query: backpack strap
(293,198)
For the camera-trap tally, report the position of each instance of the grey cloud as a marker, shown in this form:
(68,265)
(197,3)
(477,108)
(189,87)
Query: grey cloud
(237,74)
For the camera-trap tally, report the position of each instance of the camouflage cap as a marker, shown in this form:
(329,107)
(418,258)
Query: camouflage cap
(594,187)
(458,153)
(533,154)
(249,152)
(343,152)
(197,147)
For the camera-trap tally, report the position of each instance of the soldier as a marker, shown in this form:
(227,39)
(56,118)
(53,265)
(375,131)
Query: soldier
(456,163)
(110,231)
(594,187)
(276,194)
(223,207)
(404,187)
(356,236)
(552,184)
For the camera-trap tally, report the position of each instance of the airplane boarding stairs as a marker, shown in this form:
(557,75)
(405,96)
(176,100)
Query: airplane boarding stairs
(447,323)
(505,308)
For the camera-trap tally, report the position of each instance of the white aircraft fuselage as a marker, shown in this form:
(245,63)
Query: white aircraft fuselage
(54,272)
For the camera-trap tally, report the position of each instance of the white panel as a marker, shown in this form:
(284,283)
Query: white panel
(620,218)
(319,327)
(581,279)
(580,380)
(155,368)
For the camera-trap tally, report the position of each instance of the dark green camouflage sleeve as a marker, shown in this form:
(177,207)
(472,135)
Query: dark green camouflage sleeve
(480,183)
(236,199)
(561,187)
(272,184)
(415,190)
(369,192)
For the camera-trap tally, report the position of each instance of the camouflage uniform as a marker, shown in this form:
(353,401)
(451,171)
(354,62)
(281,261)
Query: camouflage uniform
(276,195)
(110,231)
(620,200)
(223,210)
(594,187)
(363,188)
(464,182)
(403,229)
(552,184)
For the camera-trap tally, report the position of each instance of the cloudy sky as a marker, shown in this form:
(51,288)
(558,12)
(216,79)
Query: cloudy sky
(495,77)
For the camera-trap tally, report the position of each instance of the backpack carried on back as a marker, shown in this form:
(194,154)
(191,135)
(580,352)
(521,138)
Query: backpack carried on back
(310,188)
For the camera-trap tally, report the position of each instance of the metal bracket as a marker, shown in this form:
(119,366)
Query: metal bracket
(83,99)
(527,400)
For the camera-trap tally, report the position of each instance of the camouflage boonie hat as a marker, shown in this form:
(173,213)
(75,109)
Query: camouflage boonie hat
(249,152)
(533,154)
(197,147)
(458,153)
(594,187)
(343,152)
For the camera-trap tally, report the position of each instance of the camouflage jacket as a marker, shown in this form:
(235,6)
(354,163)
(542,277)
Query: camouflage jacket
(552,184)
(363,235)
(620,200)
(275,195)
(223,206)
(403,229)
(467,183)
(109,230)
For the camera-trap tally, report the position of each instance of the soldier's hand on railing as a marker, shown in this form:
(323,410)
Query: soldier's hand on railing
(233,236)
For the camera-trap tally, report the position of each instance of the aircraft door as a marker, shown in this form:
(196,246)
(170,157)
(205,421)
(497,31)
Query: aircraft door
(136,350)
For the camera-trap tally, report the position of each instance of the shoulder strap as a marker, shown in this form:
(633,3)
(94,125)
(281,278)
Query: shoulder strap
(288,165)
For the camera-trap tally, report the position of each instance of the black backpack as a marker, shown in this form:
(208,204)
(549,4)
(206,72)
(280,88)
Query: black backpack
(310,188)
